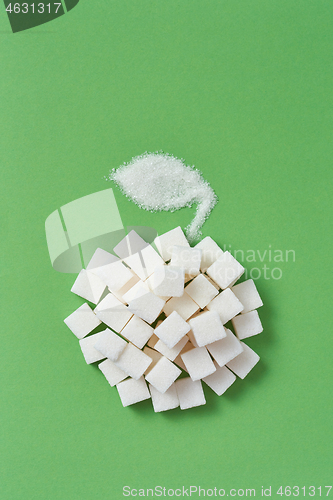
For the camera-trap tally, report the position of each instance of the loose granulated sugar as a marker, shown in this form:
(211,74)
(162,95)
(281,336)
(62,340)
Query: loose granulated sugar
(156,182)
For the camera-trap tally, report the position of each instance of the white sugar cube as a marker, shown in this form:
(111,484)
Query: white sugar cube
(184,306)
(91,355)
(111,372)
(89,286)
(114,275)
(101,258)
(244,362)
(198,363)
(154,355)
(225,270)
(226,349)
(137,290)
(166,401)
(110,344)
(201,291)
(137,331)
(171,353)
(247,325)
(168,281)
(143,263)
(133,361)
(207,328)
(165,242)
(210,252)
(190,393)
(82,321)
(220,380)
(133,391)
(113,312)
(172,330)
(132,243)
(187,258)
(226,304)
(147,306)
(163,375)
(248,295)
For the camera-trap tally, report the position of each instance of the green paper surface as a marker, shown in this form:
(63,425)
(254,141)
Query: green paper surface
(243,91)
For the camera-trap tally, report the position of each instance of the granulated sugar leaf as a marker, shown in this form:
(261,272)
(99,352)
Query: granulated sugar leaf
(158,181)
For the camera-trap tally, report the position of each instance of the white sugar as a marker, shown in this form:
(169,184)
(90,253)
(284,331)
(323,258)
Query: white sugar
(157,182)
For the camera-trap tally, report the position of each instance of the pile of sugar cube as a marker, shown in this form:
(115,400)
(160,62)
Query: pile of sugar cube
(164,309)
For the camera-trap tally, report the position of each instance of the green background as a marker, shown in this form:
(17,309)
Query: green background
(243,90)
